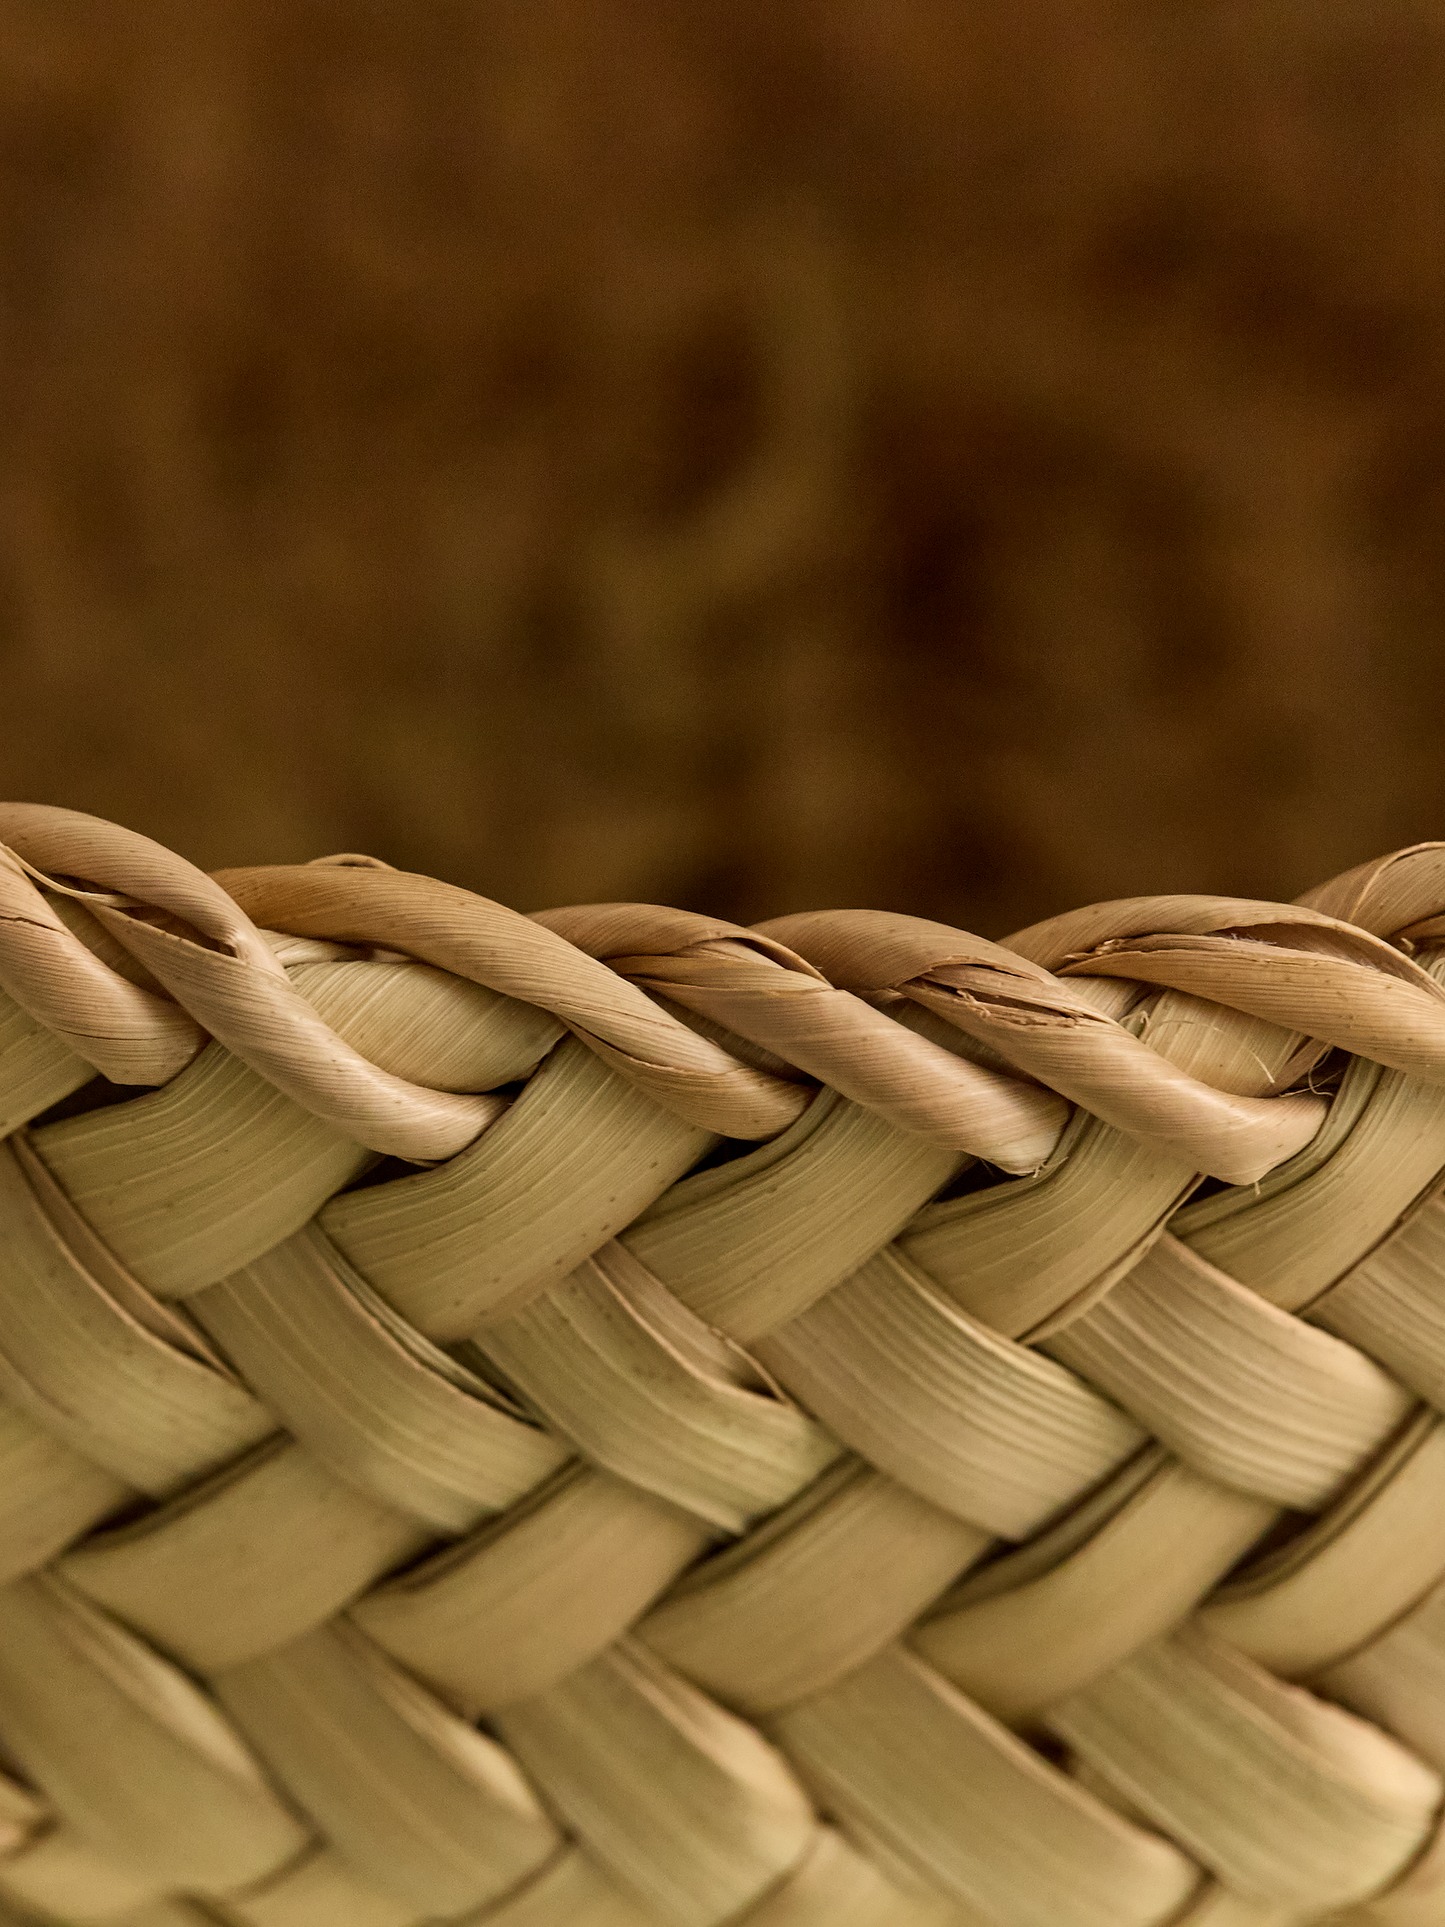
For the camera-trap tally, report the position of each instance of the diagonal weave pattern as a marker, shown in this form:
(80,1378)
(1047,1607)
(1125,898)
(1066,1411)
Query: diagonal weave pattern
(612,1418)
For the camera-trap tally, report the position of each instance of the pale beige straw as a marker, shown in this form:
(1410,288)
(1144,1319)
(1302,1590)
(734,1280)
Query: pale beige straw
(615,1419)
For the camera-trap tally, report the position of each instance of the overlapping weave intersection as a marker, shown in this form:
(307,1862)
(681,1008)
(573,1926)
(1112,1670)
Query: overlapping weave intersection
(616,1420)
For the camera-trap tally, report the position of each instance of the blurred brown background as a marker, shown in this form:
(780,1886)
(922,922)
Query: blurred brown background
(970,456)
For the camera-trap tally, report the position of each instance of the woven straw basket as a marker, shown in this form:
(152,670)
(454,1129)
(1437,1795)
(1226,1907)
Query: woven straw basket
(612,1419)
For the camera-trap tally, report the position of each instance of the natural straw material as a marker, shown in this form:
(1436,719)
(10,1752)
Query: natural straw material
(611,1419)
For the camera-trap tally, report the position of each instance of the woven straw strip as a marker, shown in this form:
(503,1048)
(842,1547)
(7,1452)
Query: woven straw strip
(614,1419)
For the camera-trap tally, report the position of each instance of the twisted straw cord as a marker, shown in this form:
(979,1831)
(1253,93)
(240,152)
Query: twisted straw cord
(487,944)
(796,987)
(1322,966)
(773,997)
(233,988)
(1294,966)
(1017,1009)
(965,1106)
(122,1029)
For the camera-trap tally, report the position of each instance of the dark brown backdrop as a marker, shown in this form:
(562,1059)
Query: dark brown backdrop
(971,458)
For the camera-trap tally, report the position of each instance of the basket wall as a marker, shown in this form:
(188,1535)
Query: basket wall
(612,1419)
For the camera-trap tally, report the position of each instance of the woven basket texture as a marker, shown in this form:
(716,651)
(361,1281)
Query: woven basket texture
(613,1419)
